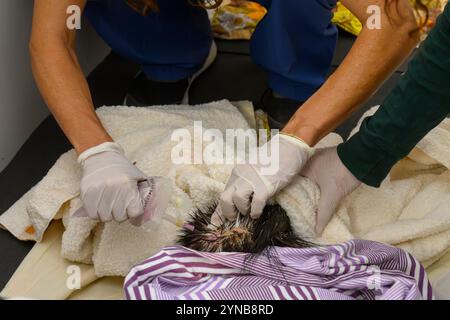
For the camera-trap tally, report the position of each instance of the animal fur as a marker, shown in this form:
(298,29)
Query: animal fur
(244,234)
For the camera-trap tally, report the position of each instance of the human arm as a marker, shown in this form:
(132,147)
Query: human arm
(419,102)
(109,185)
(374,56)
(59,76)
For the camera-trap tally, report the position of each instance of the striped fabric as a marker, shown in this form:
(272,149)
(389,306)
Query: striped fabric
(357,269)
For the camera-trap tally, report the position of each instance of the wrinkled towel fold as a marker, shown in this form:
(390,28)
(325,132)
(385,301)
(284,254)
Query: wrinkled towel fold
(357,269)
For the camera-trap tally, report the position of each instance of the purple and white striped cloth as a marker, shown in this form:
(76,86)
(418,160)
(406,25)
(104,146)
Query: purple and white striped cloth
(357,269)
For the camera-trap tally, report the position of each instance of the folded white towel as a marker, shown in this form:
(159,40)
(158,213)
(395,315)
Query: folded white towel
(412,213)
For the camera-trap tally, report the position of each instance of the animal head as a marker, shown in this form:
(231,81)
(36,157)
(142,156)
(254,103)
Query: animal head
(244,234)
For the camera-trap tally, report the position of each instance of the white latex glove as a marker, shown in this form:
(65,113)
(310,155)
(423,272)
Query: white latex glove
(109,186)
(249,187)
(334,180)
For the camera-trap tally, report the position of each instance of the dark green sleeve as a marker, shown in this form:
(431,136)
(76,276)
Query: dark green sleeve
(419,102)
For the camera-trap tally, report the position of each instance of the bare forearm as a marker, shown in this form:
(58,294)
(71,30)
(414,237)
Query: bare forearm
(65,90)
(374,56)
(59,76)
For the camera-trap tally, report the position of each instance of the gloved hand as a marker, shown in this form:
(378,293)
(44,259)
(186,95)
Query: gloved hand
(109,186)
(250,187)
(334,180)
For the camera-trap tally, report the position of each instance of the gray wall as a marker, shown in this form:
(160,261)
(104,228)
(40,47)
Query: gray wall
(21,107)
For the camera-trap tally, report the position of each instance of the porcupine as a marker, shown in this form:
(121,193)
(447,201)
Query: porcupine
(244,234)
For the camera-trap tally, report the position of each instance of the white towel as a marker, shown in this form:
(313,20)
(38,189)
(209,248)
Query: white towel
(412,212)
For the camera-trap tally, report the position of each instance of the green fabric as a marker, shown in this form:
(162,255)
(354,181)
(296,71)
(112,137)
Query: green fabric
(419,102)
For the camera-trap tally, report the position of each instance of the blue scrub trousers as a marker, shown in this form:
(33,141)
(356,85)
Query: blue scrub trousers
(294,43)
